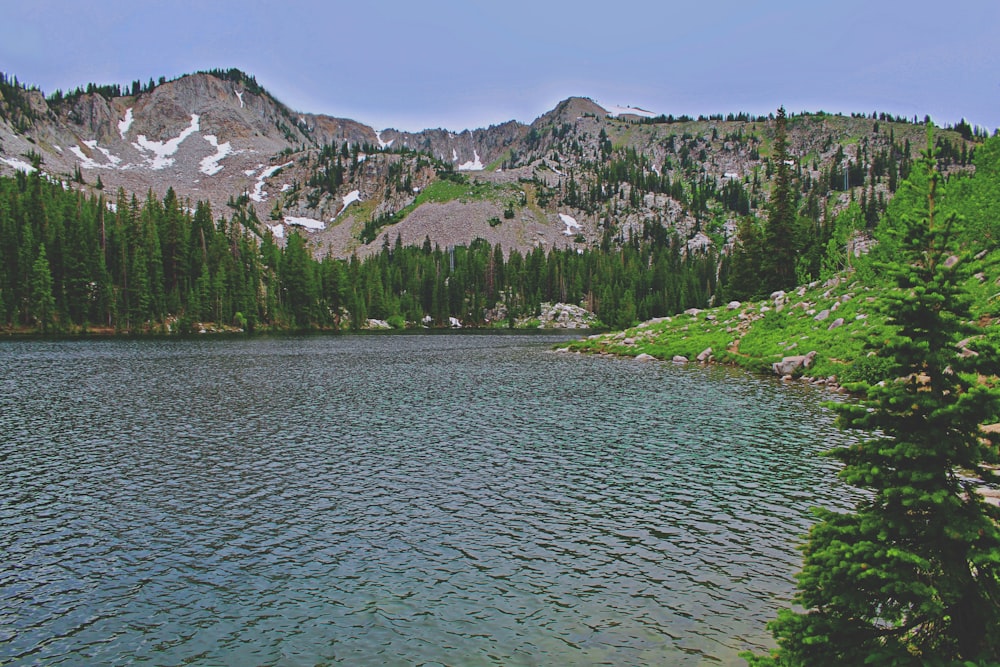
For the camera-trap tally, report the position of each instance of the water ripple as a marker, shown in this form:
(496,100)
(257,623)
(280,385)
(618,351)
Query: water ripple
(394,500)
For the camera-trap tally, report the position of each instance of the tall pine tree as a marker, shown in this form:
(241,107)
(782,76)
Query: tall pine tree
(912,576)
(779,232)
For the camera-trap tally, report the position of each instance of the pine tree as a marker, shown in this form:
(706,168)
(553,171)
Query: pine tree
(912,576)
(43,303)
(779,232)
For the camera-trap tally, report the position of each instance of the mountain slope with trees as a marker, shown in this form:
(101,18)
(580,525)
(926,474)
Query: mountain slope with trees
(205,200)
(220,137)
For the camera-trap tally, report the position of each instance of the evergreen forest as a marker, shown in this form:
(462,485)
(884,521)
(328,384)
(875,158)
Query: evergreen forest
(72,262)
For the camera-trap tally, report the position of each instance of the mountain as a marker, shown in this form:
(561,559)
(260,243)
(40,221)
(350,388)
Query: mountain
(580,175)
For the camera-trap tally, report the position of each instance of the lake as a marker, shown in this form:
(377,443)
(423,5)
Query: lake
(448,499)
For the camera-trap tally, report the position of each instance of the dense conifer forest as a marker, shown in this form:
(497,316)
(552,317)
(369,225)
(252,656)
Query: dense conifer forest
(73,262)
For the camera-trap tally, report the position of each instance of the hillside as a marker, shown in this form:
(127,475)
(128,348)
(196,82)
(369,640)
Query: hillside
(836,321)
(578,176)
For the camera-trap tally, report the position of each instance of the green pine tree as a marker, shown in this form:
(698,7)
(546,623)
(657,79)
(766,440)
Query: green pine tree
(43,303)
(779,232)
(912,576)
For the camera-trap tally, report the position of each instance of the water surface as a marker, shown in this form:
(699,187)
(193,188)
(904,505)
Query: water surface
(396,499)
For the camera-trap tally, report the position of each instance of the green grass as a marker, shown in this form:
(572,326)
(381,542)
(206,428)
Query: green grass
(441,192)
(757,334)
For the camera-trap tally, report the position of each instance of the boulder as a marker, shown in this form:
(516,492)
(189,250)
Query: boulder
(733,305)
(839,322)
(678,359)
(645,357)
(822,315)
(706,355)
(789,365)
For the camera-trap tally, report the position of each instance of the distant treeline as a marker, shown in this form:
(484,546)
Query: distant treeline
(69,261)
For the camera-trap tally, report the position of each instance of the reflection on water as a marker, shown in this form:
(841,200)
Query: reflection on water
(459,500)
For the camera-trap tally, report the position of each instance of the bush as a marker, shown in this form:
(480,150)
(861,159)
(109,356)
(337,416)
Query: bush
(869,370)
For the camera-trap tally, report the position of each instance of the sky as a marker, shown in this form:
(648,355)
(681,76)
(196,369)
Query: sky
(463,64)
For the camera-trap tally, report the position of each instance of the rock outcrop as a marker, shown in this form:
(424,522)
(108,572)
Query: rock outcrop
(789,365)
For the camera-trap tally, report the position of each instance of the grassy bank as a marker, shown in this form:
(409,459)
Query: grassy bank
(837,319)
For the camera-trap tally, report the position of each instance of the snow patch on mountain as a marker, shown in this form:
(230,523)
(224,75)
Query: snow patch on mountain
(20,165)
(571,224)
(210,165)
(239,94)
(125,123)
(308,223)
(85,162)
(113,160)
(163,150)
(473,165)
(352,196)
(258,194)
(383,144)
(630,111)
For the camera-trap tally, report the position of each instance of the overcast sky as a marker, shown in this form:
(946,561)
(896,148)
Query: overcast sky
(472,63)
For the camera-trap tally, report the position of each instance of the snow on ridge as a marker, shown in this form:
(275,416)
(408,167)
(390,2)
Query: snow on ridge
(632,111)
(308,223)
(20,165)
(278,230)
(258,194)
(382,144)
(162,150)
(473,165)
(125,123)
(239,94)
(210,165)
(570,223)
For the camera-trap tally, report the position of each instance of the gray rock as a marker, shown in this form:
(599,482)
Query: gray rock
(789,365)
(678,359)
(645,357)
(822,315)
(706,355)
(839,322)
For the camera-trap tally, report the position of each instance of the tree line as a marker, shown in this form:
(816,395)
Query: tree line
(71,261)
